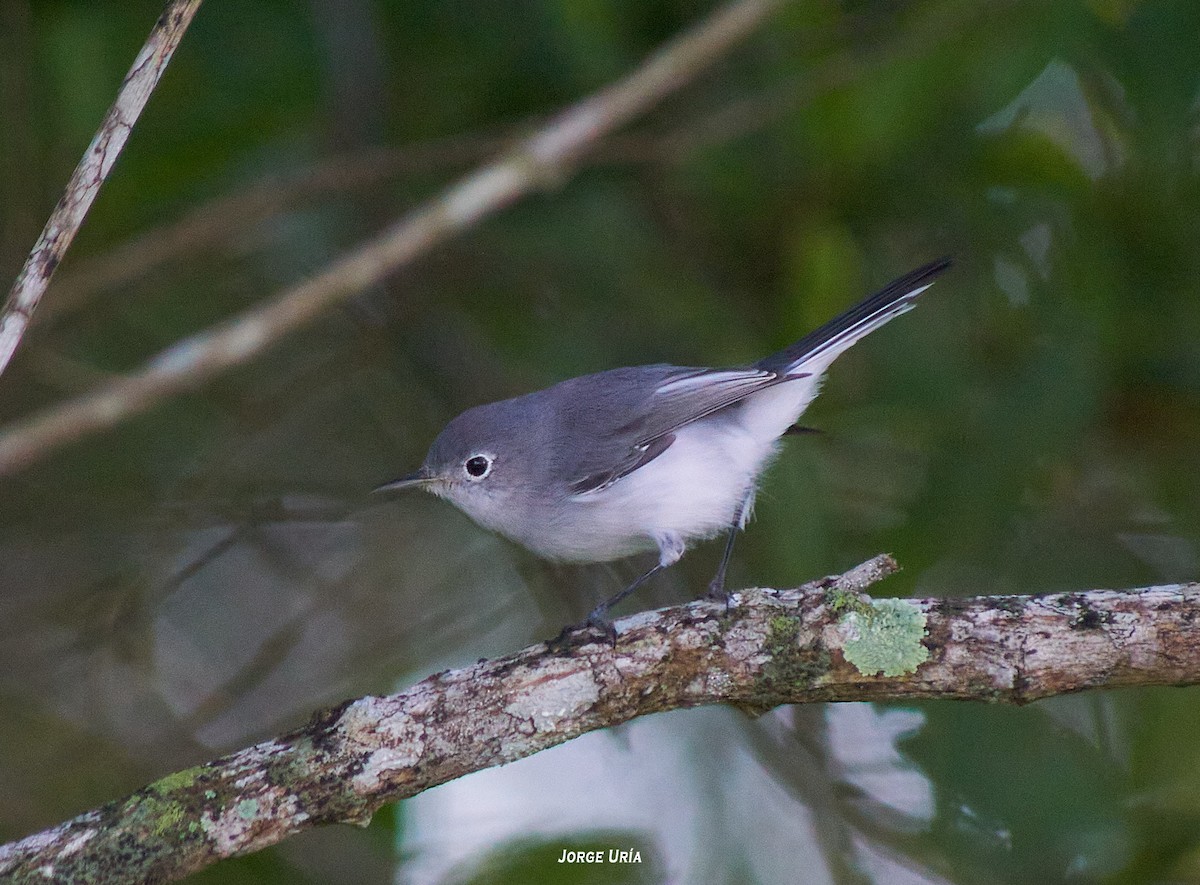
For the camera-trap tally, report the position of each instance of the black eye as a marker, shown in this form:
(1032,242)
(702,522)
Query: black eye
(478,466)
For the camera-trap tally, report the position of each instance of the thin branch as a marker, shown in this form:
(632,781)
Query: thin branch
(90,174)
(542,160)
(225,218)
(826,641)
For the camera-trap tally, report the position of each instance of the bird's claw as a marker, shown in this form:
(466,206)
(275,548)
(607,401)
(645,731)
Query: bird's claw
(576,635)
(718,593)
(599,620)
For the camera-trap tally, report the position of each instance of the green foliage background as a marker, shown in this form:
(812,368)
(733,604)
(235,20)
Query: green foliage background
(1032,427)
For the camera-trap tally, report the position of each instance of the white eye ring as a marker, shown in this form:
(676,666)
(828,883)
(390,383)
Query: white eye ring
(477,467)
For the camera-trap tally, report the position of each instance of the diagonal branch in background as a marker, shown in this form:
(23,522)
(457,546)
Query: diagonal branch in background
(89,175)
(225,219)
(542,160)
(826,641)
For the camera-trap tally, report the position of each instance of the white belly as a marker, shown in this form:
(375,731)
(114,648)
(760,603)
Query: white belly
(693,491)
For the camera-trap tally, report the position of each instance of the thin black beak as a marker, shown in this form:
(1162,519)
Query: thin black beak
(417,479)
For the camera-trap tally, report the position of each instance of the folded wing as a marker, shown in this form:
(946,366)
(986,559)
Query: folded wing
(684,395)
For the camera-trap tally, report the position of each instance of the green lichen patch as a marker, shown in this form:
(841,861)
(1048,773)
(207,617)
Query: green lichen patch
(885,636)
(180,780)
(844,601)
(791,666)
(168,818)
(783,633)
(148,812)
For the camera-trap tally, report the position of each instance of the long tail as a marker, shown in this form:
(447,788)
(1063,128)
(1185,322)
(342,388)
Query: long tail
(819,348)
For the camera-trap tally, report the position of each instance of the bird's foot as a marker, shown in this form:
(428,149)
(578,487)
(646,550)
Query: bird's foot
(718,593)
(576,635)
(599,620)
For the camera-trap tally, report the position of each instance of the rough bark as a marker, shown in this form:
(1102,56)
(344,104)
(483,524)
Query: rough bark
(826,641)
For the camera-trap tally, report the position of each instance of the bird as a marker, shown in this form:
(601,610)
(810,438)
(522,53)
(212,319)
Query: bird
(643,458)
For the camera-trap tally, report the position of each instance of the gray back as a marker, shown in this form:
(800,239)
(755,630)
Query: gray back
(554,437)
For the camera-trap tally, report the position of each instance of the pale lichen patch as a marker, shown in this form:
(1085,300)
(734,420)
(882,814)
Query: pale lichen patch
(381,763)
(249,823)
(560,697)
(399,736)
(717,681)
(77,842)
(884,636)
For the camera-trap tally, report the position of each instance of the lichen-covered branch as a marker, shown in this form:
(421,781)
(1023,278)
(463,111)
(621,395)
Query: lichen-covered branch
(826,641)
(542,160)
(90,174)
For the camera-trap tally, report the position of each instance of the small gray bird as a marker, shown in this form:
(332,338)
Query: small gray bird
(651,457)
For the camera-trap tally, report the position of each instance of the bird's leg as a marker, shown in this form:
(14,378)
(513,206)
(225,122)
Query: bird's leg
(716,587)
(801,430)
(599,619)
(670,548)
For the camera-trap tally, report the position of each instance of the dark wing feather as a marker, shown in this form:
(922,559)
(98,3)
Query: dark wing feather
(638,456)
(696,393)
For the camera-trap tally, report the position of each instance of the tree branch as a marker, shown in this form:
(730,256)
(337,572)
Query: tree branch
(826,641)
(89,175)
(541,160)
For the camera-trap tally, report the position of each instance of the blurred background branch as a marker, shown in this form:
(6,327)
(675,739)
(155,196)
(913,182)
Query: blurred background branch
(542,160)
(228,218)
(825,641)
(89,175)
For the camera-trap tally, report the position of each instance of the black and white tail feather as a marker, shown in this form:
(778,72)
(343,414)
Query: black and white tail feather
(773,392)
(825,343)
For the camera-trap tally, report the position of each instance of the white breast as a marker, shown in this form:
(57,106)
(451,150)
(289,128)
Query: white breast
(692,491)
